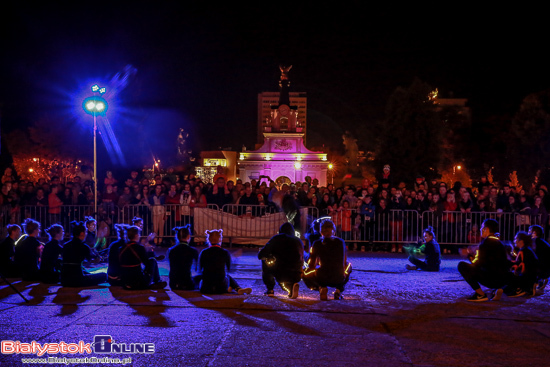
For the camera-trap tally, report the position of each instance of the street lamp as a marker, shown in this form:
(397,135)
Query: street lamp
(95,105)
(330,167)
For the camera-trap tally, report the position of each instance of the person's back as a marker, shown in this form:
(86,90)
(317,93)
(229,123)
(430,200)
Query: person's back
(542,250)
(49,264)
(113,269)
(492,256)
(331,253)
(213,262)
(74,253)
(181,257)
(132,255)
(7,251)
(27,257)
(287,250)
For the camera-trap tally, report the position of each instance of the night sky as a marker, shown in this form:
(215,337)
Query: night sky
(200,65)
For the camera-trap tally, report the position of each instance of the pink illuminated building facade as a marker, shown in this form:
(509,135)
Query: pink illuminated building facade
(283,156)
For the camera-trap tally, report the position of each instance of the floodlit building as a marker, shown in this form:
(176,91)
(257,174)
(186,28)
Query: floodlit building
(283,156)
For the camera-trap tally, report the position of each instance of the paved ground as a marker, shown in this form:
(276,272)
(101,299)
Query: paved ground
(390,317)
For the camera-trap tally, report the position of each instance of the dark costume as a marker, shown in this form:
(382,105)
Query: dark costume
(132,255)
(73,273)
(181,257)
(50,265)
(213,262)
(27,258)
(333,270)
(542,250)
(8,267)
(432,259)
(526,270)
(113,270)
(490,267)
(283,258)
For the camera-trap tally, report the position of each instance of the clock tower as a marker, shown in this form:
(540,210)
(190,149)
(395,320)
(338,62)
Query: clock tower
(283,156)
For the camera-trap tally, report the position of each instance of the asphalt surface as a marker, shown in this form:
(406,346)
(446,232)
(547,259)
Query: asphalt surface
(390,317)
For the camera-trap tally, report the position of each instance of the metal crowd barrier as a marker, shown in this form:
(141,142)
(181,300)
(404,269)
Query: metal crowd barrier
(248,221)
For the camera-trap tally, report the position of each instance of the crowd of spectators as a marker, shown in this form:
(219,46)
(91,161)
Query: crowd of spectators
(347,204)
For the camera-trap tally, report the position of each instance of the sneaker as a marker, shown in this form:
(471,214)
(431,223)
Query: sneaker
(410,267)
(498,295)
(542,284)
(270,293)
(241,291)
(293,294)
(338,294)
(477,298)
(518,293)
(158,285)
(323,293)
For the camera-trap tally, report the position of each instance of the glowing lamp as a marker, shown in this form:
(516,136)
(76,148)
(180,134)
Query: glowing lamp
(458,167)
(95,105)
(297,165)
(330,166)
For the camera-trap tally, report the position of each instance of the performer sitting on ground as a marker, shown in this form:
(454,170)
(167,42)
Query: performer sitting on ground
(282,260)
(50,264)
(525,267)
(490,267)
(327,264)
(8,267)
(542,250)
(28,251)
(74,253)
(113,270)
(181,257)
(432,253)
(132,256)
(149,241)
(213,262)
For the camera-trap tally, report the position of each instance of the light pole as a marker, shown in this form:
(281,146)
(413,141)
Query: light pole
(95,105)
(331,167)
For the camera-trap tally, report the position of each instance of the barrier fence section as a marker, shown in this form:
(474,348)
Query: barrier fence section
(254,224)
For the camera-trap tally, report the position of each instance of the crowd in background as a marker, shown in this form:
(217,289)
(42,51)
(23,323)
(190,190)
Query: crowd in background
(347,204)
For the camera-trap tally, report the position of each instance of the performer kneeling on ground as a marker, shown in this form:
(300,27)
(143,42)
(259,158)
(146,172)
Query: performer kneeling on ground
(331,255)
(132,256)
(74,253)
(213,262)
(50,264)
(282,260)
(490,267)
(432,253)
(113,270)
(181,258)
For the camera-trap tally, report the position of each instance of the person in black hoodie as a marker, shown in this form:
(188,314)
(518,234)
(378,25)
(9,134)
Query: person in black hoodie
(490,266)
(50,264)
(74,253)
(542,250)
(213,262)
(432,252)
(28,251)
(113,269)
(181,258)
(8,267)
(282,261)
